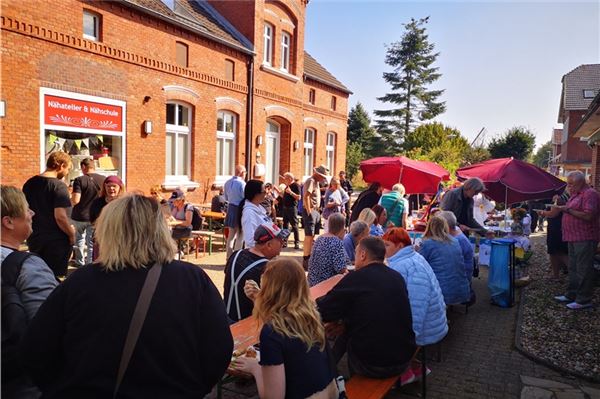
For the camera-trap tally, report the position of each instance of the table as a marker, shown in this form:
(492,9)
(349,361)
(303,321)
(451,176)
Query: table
(212,215)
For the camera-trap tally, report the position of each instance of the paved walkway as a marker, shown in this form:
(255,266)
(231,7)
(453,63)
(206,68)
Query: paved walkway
(479,357)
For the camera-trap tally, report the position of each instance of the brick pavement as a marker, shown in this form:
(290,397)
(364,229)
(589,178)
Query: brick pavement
(479,356)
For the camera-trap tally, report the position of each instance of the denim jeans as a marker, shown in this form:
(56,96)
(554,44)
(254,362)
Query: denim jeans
(84,238)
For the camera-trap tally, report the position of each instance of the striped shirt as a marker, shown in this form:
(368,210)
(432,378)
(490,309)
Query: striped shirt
(575,229)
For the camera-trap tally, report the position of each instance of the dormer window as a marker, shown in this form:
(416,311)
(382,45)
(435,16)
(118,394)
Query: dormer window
(588,93)
(285,51)
(268,44)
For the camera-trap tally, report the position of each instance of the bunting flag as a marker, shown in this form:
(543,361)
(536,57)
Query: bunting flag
(78,143)
(100,138)
(52,138)
(86,142)
(61,142)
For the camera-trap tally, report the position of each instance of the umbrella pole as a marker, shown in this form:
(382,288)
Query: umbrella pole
(505,205)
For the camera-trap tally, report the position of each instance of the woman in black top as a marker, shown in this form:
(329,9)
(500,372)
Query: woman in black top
(74,344)
(293,361)
(367,199)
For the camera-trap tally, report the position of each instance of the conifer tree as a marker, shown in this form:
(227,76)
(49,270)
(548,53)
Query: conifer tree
(411,59)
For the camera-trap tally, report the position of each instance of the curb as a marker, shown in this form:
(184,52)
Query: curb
(536,358)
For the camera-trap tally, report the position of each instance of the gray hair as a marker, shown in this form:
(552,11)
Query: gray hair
(576,175)
(474,183)
(399,187)
(336,223)
(450,219)
(358,228)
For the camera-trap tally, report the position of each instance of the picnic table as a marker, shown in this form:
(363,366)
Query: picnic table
(212,216)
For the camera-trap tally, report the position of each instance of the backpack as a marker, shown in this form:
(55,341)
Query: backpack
(14,317)
(196,218)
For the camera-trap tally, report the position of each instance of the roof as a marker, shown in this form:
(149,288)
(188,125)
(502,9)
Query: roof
(197,16)
(584,77)
(315,71)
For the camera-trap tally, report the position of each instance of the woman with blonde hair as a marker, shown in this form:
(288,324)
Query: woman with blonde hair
(444,255)
(184,344)
(368,216)
(293,360)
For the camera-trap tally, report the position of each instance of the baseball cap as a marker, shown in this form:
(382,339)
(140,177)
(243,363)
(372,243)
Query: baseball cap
(177,194)
(268,231)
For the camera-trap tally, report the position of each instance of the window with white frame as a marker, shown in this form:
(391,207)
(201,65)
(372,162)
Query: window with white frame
(226,128)
(91,25)
(285,51)
(309,144)
(588,93)
(330,152)
(268,44)
(178,146)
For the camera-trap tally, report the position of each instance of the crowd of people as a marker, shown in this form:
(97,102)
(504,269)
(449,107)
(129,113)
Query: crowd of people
(134,322)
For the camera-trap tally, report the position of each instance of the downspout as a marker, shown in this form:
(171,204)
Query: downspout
(249,116)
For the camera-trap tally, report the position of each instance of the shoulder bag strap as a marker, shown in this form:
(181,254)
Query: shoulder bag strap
(137,321)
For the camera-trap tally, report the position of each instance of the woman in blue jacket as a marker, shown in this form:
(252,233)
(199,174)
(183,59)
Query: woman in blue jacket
(444,255)
(424,293)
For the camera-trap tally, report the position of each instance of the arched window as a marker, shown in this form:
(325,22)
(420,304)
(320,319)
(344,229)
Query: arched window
(309,151)
(226,131)
(330,152)
(178,146)
(268,44)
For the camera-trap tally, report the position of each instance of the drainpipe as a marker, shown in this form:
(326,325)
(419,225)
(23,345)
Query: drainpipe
(249,116)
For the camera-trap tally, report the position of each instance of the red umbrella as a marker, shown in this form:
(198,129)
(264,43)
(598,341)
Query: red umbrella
(418,177)
(510,180)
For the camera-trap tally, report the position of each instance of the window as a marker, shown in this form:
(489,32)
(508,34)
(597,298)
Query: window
(230,70)
(309,144)
(588,93)
(181,56)
(330,152)
(285,51)
(268,44)
(178,141)
(333,103)
(91,25)
(312,94)
(226,129)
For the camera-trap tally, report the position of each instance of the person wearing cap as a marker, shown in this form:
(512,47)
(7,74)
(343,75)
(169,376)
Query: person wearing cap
(112,189)
(182,214)
(249,264)
(48,197)
(310,213)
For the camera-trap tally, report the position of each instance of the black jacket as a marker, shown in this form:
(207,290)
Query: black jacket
(75,341)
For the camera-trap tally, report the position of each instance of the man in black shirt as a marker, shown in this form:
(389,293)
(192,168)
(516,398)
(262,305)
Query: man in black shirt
(290,206)
(370,313)
(347,186)
(249,264)
(86,188)
(48,196)
(459,201)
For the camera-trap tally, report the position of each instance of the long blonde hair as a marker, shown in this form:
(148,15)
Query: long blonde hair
(368,216)
(284,302)
(437,229)
(132,232)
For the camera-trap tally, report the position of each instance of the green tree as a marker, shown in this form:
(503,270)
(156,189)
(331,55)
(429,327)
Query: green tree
(354,155)
(473,155)
(361,132)
(411,59)
(517,142)
(542,155)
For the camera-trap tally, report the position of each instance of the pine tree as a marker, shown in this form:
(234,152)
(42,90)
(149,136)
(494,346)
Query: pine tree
(411,58)
(361,132)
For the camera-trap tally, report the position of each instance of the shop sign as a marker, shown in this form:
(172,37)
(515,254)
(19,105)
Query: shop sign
(70,112)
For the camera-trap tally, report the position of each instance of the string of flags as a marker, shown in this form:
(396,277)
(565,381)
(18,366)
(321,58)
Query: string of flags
(56,143)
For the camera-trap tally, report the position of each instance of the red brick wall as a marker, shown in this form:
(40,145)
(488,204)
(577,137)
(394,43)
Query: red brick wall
(575,149)
(43,47)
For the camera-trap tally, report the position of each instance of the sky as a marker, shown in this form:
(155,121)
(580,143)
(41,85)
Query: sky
(501,61)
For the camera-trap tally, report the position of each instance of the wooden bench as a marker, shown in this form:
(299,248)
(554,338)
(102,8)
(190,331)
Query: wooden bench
(360,387)
(200,236)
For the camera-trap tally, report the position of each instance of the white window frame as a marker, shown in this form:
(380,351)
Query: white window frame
(96,18)
(83,97)
(330,152)
(286,41)
(225,136)
(588,93)
(308,145)
(268,44)
(178,130)
(276,135)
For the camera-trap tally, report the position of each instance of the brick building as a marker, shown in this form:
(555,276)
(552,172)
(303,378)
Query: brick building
(579,87)
(169,92)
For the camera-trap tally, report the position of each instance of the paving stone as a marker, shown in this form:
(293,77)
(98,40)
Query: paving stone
(569,395)
(592,392)
(536,393)
(538,382)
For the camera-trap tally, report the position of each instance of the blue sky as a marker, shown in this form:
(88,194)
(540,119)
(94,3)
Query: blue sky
(502,61)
